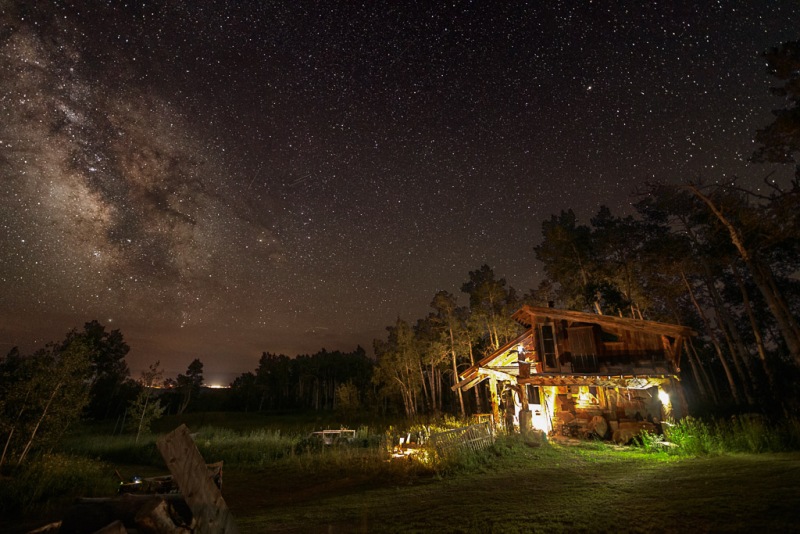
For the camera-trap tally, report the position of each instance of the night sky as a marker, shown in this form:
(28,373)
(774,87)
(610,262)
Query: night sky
(218,179)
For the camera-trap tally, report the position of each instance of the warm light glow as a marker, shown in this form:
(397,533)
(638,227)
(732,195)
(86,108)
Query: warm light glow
(217,386)
(549,394)
(663,397)
(585,398)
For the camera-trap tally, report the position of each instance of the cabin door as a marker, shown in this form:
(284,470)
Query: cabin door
(584,349)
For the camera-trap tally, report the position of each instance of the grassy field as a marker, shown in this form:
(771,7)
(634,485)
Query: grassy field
(550,489)
(274,481)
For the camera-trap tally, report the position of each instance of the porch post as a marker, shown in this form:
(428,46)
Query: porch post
(494,399)
(525,416)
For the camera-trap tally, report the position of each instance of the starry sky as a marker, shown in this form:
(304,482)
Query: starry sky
(221,178)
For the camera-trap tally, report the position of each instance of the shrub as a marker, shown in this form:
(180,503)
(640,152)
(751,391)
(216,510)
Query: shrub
(51,480)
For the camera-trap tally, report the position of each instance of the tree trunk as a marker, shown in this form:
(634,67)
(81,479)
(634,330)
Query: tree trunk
(762,353)
(698,380)
(14,426)
(478,400)
(425,392)
(726,328)
(141,419)
(459,393)
(38,424)
(714,341)
(711,387)
(762,276)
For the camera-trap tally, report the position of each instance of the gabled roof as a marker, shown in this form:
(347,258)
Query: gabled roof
(499,363)
(471,376)
(527,315)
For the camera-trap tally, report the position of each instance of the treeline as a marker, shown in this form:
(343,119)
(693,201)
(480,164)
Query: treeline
(321,381)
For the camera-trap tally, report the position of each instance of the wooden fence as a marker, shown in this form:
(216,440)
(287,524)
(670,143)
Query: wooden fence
(474,438)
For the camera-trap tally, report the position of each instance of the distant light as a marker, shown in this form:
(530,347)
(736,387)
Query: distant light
(217,386)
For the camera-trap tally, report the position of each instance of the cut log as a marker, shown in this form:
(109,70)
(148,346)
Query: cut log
(565,417)
(155,518)
(598,426)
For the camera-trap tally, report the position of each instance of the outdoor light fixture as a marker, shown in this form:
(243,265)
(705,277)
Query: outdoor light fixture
(663,397)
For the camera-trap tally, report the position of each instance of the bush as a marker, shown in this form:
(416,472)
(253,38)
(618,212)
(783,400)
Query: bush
(52,480)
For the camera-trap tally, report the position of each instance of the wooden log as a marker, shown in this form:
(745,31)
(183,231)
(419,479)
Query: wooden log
(117,527)
(598,426)
(50,528)
(155,518)
(91,515)
(211,514)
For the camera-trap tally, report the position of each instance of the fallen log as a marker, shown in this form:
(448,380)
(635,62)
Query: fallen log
(93,514)
(155,518)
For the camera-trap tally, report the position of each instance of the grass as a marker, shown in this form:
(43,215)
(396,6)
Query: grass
(547,489)
(53,480)
(277,481)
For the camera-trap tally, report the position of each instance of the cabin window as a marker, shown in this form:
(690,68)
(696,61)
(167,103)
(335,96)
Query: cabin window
(533,395)
(547,340)
(608,337)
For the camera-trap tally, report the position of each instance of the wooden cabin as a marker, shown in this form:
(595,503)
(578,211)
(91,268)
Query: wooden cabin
(576,373)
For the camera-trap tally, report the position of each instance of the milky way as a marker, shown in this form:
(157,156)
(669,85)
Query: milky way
(218,179)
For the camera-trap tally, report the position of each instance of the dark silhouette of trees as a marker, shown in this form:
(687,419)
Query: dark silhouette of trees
(189,385)
(492,303)
(719,258)
(110,389)
(41,395)
(304,382)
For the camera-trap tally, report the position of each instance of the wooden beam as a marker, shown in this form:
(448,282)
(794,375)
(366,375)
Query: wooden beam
(527,316)
(497,375)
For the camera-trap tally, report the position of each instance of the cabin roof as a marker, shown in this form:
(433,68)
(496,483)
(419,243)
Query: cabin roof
(500,361)
(527,316)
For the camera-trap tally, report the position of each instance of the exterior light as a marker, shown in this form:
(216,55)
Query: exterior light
(663,397)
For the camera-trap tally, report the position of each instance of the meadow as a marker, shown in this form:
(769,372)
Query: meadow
(724,476)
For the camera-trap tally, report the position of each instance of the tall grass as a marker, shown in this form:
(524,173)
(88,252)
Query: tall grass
(115,449)
(743,434)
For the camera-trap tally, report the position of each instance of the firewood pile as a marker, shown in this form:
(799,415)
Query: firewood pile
(188,501)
